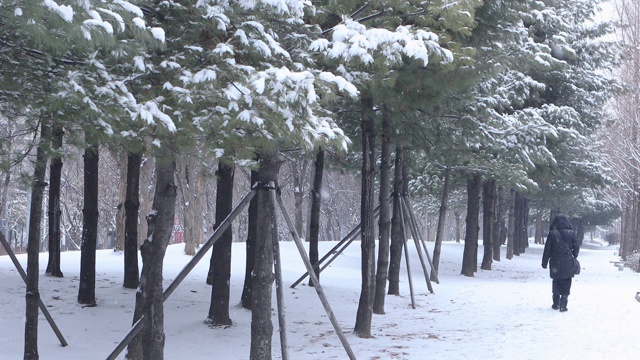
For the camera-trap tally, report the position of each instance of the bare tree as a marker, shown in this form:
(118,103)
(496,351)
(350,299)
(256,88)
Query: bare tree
(623,136)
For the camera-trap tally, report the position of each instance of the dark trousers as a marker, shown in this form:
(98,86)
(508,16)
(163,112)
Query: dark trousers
(561,286)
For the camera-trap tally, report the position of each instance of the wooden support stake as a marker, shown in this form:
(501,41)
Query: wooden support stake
(415,224)
(314,280)
(43,308)
(333,254)
(406,254)
(405,213)
(186,270)
(278,275)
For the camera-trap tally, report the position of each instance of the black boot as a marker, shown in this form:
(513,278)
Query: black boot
(563,302)
(556,301)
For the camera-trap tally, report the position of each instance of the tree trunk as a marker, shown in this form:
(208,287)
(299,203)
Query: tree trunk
(537,237)
(252,232)
(132,211)
(521,238)
(525,224)
(367,293)
(458,216)
(442,218)
(299,172)
(33,248)
(122,197)
(517,225)
(87,288)
(488,221)
(146,195)
(191,191)
(55,173)
(470,256)
(397,242)
(150,298)
(499,232)
(314,213)
(3,208)
(261,326)
(220,265)
(512,223)
(384,221)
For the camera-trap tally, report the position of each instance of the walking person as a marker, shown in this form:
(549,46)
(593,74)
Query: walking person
(559,251)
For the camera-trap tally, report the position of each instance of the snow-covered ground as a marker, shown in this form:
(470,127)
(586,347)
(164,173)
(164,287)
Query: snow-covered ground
(504,313)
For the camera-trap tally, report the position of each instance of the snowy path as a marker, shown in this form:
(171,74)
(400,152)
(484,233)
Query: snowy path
(499,314)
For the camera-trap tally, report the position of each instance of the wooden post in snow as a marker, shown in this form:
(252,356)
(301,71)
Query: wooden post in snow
(43,308)
(314,279)
(278,275)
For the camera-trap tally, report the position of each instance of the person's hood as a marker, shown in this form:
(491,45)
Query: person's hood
(561,222)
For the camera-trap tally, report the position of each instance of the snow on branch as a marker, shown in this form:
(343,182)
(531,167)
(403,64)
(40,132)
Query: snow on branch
(354,41)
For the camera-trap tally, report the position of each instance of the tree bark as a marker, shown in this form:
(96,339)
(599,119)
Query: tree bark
(521,238)
(488,222)
(150,298)
(512,223)
(261,325)
(499,232)
(55,174)
(395,250)
(367,293)
(458,216)
(442,218)
(537,237)
(314,213)
(470,256)
(33,248)
(146,195)
(132,211)
(122,197)
(3,208)
(220,265)
(87,288)
(299,172)
(246,298)
(191,190)
(384,221)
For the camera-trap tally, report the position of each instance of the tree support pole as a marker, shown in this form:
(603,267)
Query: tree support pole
(278,275)
(419,236)
(406,214)
(43,308)
(186,270)
(334,253)
(406,255)
(314,280)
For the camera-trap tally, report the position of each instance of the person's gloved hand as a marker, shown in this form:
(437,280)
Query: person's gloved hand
(544,266)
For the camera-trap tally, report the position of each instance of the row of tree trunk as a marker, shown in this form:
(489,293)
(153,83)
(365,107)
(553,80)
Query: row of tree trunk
(260,261)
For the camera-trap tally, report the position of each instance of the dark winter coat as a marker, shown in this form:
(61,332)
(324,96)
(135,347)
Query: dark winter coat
(556,254)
